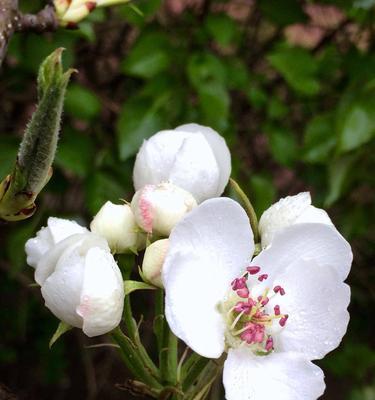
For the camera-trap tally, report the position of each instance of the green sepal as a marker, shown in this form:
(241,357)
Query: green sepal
(61,329)
(132,286)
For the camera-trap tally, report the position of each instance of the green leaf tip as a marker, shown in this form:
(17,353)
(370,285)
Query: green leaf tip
(33,167)
(61,329)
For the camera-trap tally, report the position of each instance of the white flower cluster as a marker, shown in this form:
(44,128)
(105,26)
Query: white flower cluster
(79,278)
(272,313)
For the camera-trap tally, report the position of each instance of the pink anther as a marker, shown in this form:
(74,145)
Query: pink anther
(252,270)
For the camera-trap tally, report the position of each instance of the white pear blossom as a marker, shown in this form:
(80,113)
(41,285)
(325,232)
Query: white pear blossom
(193,157)
(79,278)
(158,208)
(116,223)
(153,261)
(288,211)
(273,314)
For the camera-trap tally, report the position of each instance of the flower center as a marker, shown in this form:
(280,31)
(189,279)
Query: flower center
(249,317)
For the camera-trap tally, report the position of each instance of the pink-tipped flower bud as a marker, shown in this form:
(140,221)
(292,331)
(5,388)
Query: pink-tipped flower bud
(116,223)
(158,208)
(153,261)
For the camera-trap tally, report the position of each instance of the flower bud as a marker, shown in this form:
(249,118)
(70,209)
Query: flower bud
(57,230)
(192,156)
(81,282)
(158,208)
(289,211)
(116,223)
(153,261)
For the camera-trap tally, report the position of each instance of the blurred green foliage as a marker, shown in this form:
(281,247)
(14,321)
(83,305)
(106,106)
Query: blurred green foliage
(296,116)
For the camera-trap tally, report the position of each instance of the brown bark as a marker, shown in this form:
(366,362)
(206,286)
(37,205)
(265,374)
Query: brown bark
(12,20)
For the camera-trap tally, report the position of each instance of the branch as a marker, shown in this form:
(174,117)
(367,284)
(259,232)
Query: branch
(12,20)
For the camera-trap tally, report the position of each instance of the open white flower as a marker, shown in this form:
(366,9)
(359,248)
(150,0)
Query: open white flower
(192,156)
(79,278)
(273,314)
(289,211)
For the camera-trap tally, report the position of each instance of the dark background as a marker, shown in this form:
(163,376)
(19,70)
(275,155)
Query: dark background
(291,86)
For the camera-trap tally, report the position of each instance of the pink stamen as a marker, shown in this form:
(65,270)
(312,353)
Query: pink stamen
(283,320)
(279,289)
(244,293)
(239,283)
(269,344)
(253,270)
(253,334)
(262,277)
(277,310)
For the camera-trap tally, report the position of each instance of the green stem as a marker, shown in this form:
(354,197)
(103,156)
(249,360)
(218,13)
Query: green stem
(132,330)
(248,208)
(168,346)
(202,386)
(192,369)
(134,362)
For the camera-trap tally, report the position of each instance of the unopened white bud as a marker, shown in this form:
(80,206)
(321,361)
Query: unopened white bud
(153,261)
(116,223)
(158,208)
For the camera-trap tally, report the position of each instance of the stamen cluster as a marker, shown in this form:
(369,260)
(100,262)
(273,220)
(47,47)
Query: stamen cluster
(250,317)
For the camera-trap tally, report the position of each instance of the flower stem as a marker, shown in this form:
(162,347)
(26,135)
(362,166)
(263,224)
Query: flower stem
(134,362)
(248,208)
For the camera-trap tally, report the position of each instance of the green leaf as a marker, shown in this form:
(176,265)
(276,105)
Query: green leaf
(70,156)
(338,172)
(132,286)
(283,146)
(61,329)
(276,108)
(257,96)
(238,76)
(222,28)
(150,55)
(262,192)
(204,69)
(214,102)
(288,13)
(101,187)
(358,125)
(82,103)
(319,139)
(298,67)
(138,120)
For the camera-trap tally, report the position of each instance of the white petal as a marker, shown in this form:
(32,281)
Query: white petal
(285,376)
(57,229)
(207,250)
(220,149)
(47,262)
(319,242)
(156,156)
(316,301)
(195,168)
(62,289)
(288,211)
(102,296)
(194,287)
